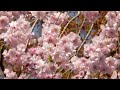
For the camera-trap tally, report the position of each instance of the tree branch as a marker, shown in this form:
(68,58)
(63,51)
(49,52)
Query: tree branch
(31,32)
(69,23)
(85,38)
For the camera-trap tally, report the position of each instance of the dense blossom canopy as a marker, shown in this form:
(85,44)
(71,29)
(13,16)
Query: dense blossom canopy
(57,45)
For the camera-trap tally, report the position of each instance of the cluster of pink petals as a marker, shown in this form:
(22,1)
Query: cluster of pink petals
(99,51)
(52,52)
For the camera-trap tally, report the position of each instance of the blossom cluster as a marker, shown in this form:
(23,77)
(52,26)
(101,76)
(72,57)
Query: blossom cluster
(48,56)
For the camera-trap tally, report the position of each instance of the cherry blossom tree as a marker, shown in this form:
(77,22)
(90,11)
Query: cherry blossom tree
(60,44)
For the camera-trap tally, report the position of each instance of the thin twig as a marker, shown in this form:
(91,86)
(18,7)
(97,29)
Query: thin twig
(82,42)
(69,23)
(85,38)
(1,61)
(57,18)
(66,72)
(118,42)
(80,28)
(60,70)
(69,74)
(65,17)
(32,21)
(81,25)
(31,32)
